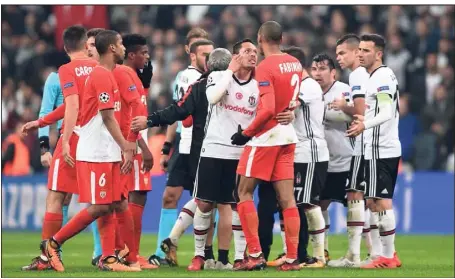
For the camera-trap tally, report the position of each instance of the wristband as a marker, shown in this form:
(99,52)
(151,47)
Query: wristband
(166,148)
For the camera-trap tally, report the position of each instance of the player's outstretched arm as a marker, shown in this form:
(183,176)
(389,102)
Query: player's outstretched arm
(336,116)
(52,117)
(217,85)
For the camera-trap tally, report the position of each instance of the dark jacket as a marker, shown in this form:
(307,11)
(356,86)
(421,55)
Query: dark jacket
(194,103)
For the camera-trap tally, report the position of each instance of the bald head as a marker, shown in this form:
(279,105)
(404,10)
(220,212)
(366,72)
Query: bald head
(271,32)
(219,59)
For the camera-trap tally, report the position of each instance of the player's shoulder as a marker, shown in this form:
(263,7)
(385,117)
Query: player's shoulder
(382,72)
(359,75)
(53,78)
(309,84)
(339,85)
(189,74)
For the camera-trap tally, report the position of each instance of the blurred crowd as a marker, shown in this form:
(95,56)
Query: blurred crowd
(420,51)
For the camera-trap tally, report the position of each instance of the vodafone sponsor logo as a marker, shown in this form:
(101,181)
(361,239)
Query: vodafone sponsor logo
(242,110)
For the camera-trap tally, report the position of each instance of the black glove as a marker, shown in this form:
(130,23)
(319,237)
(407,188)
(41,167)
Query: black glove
(44,144)
(153,120)
(239,138)
(146,74)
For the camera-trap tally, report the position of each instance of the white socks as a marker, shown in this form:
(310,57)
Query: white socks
(325,213)
(316,229)
(239,236)
(283,237)
(366,231)
(184,220)
(355,222)
(376,244)
(201,226)
(387,232)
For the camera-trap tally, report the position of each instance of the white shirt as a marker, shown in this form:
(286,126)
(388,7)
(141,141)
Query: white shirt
(382,141)
(308,124)
(185,79)
(357,80)
(340,146)
(237,106)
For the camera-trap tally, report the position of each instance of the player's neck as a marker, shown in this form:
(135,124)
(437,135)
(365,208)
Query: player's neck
(194,65)
(305,74)
(128,64)
(243,74)
(78,55)
(107,62)
(373,67)
(327,87)
(355,65)
(272,50)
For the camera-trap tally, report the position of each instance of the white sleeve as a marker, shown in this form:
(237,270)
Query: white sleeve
(336,116)
(217,84)
(310,91)
(385,113)
(356,81)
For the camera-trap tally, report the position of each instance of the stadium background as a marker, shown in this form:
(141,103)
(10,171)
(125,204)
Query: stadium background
(420,51)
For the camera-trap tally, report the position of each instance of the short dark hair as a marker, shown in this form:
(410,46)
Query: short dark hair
(377,39)
(321,57)
(237,46)
(74,38)
(349,39)
(199,43)
(104,39)
(133,42)
(196,33)
(297,53)
(271,31)
(94,31)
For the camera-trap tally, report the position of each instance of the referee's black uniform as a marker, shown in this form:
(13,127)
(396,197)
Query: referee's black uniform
(194,103)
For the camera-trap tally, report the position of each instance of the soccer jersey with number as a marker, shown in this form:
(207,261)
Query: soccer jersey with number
(96,144)
(184,79)
(382,141)
(308,124)
(340,146)
(236,107)
(357,80)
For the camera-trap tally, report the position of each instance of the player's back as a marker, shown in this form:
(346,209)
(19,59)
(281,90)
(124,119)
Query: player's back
(72,79)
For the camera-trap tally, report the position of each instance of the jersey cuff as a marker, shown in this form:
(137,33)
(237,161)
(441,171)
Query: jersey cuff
(358,96)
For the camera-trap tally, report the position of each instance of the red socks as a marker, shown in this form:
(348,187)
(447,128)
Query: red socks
(51,225)
(137,211)
(106,227)
(126,228)
(250,222)
(292,228)
(75,225)
(119,243)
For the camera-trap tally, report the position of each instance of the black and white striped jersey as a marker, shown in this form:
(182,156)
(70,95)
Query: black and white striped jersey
(308,124)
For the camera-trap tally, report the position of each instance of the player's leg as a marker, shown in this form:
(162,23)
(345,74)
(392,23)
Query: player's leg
(382,174)
(283,182)
(366,236)
(224,235)
(239,240)
(266,211)
(210,262)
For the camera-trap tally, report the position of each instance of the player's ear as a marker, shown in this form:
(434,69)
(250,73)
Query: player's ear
(193,56)
(112,48)
(187,49)
(64,47)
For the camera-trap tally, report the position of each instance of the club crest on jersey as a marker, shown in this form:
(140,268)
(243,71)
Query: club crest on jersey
(383,88)
(252,100)
(68,85)
(132,88)
(298,178)
(104,97)
(264,83)
(102,194)
(239,96)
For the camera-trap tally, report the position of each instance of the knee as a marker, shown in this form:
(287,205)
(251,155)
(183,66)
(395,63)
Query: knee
(204,206)
(54,202)
(67,200)
(170,198)
(286,203)
(138,197)
(100,210)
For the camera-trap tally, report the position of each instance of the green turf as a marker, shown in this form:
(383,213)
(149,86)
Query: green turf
(422,256)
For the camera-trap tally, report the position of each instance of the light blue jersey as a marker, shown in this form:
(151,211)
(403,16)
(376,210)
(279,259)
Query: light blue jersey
(176,96)
(52,98)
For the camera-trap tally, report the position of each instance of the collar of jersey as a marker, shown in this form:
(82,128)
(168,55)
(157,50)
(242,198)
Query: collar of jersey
(243,83)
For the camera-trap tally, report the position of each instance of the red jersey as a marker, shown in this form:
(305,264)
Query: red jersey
(278,78)
(72,80)
(96,143)
(131,90)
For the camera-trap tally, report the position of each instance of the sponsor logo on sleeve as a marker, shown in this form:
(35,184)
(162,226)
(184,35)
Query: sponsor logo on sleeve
(383,88)
(132,88)
(264,83)
(68,85)
(356,87)
(346,94)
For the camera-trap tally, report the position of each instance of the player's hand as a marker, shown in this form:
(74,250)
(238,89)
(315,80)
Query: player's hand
(239,138)
(236,63)
(338,104)
(286,117)
(359,117)
(147,160)
(139,123)
(66,154)
(356,128)
(127,161)
(29,126)
(146,74)
(164,162)
(46,159)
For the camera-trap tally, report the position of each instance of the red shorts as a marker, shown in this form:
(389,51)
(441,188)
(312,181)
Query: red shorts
(268,163)
(140,180)
(98,182)
(62,177)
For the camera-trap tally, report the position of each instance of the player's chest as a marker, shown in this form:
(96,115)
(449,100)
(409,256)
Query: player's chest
(334,94)
(243,95)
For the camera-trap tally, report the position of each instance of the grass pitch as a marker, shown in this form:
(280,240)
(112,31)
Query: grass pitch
(422,256)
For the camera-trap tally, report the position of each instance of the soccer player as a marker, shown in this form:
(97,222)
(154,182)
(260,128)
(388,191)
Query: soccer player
(347,56)
(177,167)
(133,103)
(62,181)
(382,145)
(340,147)
(98,157)
(269,154)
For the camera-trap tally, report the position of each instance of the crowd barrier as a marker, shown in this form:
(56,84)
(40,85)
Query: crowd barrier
(423,202)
